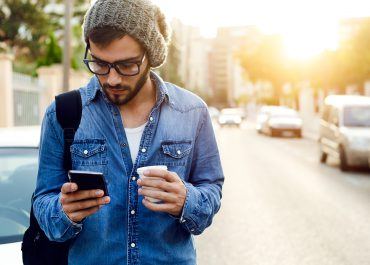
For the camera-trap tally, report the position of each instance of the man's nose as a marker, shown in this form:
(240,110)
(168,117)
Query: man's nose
(114,78)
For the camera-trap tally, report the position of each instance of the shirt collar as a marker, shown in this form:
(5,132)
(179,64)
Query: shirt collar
(162,91)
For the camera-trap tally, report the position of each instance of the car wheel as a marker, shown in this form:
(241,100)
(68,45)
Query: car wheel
(273,133)
(323,157)
(343,165)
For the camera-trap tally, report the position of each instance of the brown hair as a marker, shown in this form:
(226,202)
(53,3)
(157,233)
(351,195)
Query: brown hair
(104,35)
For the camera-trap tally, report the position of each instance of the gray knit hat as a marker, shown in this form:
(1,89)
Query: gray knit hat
(140,19)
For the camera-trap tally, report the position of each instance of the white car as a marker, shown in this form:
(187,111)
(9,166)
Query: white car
(285,122)
(18,173)
(263,115)
(231,116)
(213,112)
(345,131)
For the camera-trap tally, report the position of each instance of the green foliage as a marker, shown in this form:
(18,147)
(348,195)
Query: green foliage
(53,52)
(26,26)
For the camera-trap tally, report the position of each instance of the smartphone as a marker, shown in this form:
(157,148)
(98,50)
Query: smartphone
(88,180)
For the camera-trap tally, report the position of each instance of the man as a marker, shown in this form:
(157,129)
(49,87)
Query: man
(130,119)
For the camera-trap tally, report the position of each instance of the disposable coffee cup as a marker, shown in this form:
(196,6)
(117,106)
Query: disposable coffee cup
(141,170)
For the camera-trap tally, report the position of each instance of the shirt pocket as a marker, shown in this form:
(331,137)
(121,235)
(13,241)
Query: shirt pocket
(89,154)
(175,153)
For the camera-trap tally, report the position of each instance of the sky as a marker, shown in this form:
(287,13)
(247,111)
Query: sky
(307,26)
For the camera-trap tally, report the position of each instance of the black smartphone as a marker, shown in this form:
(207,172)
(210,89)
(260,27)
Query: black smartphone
(88,180)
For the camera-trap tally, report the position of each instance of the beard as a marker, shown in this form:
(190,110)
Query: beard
(121,95)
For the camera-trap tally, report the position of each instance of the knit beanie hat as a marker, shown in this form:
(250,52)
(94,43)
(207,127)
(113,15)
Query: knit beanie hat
(140,19)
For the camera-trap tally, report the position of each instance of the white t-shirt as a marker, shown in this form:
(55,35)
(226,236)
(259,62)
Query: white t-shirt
(134,137)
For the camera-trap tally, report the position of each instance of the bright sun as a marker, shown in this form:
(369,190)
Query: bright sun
(306,39)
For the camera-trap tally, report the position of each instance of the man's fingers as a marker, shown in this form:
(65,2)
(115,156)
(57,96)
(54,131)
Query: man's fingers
(81,195)
(157,194)
(69,187)
(160,173)
(80,215)
(85,204)
(156,183)
(159,207)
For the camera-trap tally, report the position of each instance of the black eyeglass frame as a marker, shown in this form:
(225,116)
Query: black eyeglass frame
(112,65)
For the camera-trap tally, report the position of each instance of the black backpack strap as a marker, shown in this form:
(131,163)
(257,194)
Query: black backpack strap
(36,247)
(69,112)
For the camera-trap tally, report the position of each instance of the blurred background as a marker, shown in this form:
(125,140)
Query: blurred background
(288,88)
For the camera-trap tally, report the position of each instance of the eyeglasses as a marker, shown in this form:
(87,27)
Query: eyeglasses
(124,68)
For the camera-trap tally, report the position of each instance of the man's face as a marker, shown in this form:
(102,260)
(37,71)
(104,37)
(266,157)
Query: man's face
(118,88)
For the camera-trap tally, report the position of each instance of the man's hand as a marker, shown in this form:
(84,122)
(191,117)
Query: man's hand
(80,204)
(172,191)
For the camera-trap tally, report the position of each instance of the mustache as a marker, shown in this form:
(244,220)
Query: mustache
(118,87)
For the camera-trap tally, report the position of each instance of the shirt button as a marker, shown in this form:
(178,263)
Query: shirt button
(143,150)
(133,178)
(133,245)
(178,152)
(86,152)
(133,212)
(151,119)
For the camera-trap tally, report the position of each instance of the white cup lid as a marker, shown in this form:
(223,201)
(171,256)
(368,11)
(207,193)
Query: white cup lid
(141,170)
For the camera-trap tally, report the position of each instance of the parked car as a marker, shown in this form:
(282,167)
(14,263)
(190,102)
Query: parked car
(345,130)
(213,112)
(18,173)
(263,114)
(284,122)
(231,116)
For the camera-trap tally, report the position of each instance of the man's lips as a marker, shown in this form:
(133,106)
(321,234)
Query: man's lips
(117,91)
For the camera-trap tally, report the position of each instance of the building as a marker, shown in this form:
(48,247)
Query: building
(193,57)
(226,70)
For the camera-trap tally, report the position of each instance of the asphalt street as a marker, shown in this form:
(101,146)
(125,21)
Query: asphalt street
(281,206)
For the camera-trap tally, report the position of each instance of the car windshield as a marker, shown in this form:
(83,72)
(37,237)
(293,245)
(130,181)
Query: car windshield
(18,172)
(356,116)
(232,112)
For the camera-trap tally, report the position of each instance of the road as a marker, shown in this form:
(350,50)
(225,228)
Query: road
(281,206)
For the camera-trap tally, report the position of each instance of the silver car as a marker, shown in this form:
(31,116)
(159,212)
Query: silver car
(18,172)
(231,116)
(263,115)
(284,122)
(345,130)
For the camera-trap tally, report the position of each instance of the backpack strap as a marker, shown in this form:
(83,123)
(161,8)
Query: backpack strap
(69,112)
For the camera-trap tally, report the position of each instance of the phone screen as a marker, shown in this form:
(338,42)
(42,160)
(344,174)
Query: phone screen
(88,180)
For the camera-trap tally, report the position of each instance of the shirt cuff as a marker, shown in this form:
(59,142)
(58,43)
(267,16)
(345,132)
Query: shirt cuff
(191,208)
(76,227)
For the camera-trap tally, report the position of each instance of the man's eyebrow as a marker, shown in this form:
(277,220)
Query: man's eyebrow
(132,59)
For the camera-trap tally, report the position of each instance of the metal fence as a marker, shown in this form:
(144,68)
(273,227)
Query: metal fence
(26,91)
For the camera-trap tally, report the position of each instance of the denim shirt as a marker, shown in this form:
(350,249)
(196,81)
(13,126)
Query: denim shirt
(178,134)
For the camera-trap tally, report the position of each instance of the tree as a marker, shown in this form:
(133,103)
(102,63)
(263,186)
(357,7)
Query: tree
(24,26)
(34,30)
(53,52)
(266,62)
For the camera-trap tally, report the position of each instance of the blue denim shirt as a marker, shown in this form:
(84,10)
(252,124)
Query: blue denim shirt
(124,231)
